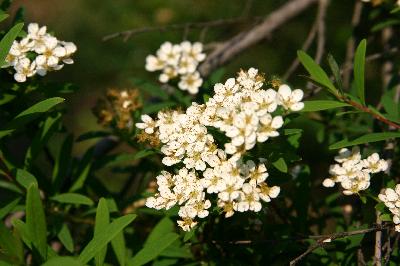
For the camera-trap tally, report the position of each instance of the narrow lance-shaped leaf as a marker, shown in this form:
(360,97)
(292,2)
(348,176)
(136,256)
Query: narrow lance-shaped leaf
(73,198)
(30,114)
(319,105)
(372,137)
(109,233)
(153,249)
(102,221)
(359,69)
(65,237)
(36,222)
(336,72)
(316,72)
(7,41)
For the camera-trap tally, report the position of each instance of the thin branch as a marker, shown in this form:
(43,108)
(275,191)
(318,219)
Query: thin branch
(390,249)
(324,239)
(188,25)
(369,111)
(351,42)
(322,9)
(229,49)
(378,242)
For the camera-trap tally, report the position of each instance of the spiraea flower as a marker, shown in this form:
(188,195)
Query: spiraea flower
(352,172)
(245,113)
(117,108)
(391,198)
(178,60)
(46,53)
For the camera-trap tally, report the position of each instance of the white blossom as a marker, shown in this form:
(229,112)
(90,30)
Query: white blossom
(46,53)
(243,111)
(391,198)
(178,60)
(352,172)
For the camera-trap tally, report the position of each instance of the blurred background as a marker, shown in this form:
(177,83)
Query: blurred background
(100,65)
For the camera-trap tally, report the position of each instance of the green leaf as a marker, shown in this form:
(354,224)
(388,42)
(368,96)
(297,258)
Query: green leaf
(359,70)
(102,221)
(372,137)
(63,261)
(25,178)
(3,17)
(280,164)
(386,217)
(109,233)
(319,105)
(41,107)
(164,226)
(10,246)
(83,170)
(335,71)
(63,162)
(4,211)
(73,198)
(7,41)
(49,126)
(316,72)
(119,247)
(36,222)
(64,235)
(153,249)
(30,114)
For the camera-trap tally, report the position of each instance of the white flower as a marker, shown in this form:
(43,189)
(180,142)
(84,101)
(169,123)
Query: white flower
(268,127)
(374,165)
(24,69)
(168,73)
(50,54)
(148,124)
(191,82)
(169,53)
(249,199)
(35,32)
(154,63)
(290,100)
(193,51)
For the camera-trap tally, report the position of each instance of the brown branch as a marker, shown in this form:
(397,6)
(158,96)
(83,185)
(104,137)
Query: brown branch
(369,111)
(322,9)
(378,242)
(323,239)
(351,42)
(189,25)
(229,49)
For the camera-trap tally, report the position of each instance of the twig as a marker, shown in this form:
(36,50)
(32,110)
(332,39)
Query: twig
(351,42)
(322,8)
(378,242)
(323,239)
(390,250)
(369,111)
(229,49)
(188,25)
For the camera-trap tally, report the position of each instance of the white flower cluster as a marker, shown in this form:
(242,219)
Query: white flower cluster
(38,53)
(352,172)
(243,111)
(391,198)
(178,60)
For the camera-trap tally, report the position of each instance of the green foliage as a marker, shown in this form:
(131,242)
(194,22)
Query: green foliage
(359,66)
